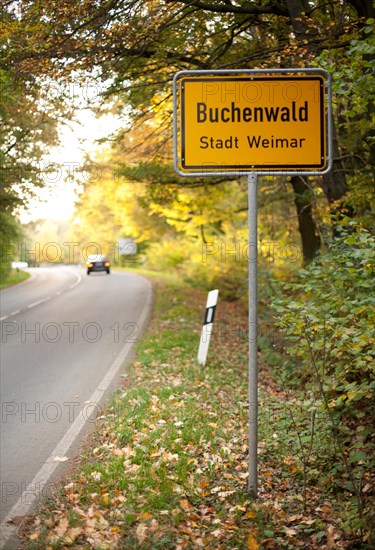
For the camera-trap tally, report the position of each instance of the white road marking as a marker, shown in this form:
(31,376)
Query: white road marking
(79,279)
(76,283)
(39,302)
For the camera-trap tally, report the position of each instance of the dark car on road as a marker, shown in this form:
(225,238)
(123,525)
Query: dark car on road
(98,262)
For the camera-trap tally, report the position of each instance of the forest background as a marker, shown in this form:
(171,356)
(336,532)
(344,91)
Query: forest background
(316,243)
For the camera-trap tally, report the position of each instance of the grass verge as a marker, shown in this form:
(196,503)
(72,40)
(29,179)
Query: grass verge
(13,278)
(167,467)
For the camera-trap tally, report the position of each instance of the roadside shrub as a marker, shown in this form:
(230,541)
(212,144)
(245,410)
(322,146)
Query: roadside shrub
(166,255)
(328,315)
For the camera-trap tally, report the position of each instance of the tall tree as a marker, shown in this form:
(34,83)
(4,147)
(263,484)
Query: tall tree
(25,131)
(139,45)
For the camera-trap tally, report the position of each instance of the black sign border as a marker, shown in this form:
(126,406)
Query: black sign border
(254,167)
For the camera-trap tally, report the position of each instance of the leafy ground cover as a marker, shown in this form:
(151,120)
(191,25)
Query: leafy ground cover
(167,464)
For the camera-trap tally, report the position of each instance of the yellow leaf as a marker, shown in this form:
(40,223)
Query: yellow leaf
(250,515)
(34,536)
(105,500)
(145,515)
(252,543)
(185,531)
(351,394)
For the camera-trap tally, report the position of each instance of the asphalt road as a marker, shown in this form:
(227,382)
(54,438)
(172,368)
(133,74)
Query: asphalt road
(66,338)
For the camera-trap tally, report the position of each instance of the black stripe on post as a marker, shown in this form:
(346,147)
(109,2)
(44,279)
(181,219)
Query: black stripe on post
(210,315)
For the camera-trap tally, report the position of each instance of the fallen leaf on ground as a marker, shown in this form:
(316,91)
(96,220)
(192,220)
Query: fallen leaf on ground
(185,504)
(61,527)
(141,532)
(72,534)
(295,517)
(145,516)
(290,532)
(252,543)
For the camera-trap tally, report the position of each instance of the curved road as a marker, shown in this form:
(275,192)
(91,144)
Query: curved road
(65,338)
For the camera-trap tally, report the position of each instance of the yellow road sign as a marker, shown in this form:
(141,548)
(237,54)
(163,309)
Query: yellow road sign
(247,123)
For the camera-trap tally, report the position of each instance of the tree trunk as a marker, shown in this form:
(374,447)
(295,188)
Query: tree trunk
(303,199)
(334,183)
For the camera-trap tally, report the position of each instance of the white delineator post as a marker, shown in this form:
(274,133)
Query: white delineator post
(207,326)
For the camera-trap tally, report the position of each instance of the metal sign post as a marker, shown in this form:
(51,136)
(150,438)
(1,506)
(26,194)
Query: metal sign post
(252,122)
(252,182)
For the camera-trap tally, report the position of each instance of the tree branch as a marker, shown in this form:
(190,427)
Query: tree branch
(247,9)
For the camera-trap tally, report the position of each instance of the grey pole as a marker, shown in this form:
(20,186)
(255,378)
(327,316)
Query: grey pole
(253,337)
